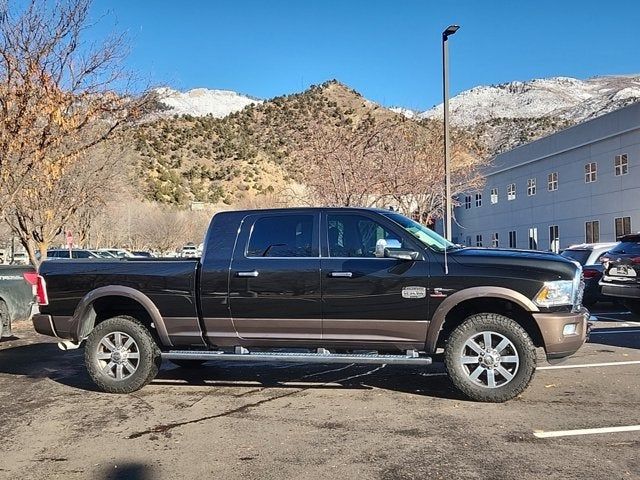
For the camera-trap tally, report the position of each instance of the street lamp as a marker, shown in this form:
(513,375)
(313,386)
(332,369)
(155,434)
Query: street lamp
(450,30)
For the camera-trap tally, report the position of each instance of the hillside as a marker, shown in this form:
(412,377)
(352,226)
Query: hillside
(188,158)
(504,116)
(202,101)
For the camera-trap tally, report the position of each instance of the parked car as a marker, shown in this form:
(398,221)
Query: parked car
(589,255)
(16,296)
(189,251)
(20,258)
(142,253)
(349,285)
(621,277)
(117,252)
(103,254)
(63,253)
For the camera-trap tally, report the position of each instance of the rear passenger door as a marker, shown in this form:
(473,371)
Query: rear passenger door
(274,284)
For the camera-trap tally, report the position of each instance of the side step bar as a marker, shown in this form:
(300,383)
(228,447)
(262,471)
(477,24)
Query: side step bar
(321,356)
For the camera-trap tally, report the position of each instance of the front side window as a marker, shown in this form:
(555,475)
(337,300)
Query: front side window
(511,191)
(283,236)
(494,196)
(353,235)
(552,182)
(531,187)
(592,232)
(478,199)
(590,172)
(621,164)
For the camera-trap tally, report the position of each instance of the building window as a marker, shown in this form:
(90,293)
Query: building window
(623,226)
(494,196)
(511,191)
(533,238)
(469,241)
(590,172)
(592,232)
(478,199)
(621,164)
(478,240)
(554,239)
(552,180)
(495,242)
(467,202)
(531,187)
(512,239)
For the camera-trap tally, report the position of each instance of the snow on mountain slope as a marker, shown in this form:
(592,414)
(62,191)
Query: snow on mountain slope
(561,97)
(202,101)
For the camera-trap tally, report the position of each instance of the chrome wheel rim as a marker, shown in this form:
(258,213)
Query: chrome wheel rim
(118,355)
(490,359)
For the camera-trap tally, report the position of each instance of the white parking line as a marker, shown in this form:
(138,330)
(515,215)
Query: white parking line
(585,431)
(586,365)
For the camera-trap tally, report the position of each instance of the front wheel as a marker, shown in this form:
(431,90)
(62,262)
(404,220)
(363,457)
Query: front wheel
(121,355)
(490,358)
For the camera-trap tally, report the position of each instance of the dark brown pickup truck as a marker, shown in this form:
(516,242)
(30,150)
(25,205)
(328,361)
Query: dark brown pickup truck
(331,285)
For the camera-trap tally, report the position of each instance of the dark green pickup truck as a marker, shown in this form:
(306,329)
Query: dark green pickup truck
(16,296)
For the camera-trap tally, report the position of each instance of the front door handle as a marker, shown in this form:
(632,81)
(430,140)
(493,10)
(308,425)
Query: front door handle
(252,273)
(341,274)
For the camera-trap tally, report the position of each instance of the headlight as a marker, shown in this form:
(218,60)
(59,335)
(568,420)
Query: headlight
(555,294)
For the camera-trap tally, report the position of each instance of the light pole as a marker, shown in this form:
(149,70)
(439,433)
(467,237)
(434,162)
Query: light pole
(450,30)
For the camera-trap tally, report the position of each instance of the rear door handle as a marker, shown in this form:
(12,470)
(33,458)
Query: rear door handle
(341,274)
(252,273)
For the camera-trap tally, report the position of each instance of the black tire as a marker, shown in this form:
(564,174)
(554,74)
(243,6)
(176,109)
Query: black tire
(632,305)
(5,321)
(188,363)
(147,350)
(521,349)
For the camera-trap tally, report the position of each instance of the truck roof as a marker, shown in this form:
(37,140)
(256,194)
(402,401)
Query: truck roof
(303,209)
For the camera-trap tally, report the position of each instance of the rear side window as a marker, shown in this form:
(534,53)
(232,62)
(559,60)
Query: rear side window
(629,248)
(579,256)
(283,236)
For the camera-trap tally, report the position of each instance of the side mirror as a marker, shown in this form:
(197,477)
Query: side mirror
(401,254)
(383,244)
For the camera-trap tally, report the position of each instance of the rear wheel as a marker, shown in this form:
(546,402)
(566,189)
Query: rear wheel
(121,355)
(490,358)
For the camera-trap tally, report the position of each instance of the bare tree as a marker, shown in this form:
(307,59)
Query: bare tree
(58,104)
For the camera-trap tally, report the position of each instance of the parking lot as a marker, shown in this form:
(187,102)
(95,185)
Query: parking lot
(328,421)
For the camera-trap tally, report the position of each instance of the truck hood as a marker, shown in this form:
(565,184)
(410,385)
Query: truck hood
(557,266)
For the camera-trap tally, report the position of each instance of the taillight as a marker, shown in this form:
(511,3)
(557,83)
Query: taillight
(590,273)
(635,260)
(39,287)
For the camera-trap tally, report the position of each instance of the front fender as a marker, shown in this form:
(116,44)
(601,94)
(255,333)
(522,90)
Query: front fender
(439,316)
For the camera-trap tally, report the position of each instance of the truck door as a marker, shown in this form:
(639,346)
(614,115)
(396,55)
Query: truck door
(366,299)
(274,283)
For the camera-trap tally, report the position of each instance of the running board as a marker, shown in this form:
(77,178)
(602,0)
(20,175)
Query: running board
(322,356)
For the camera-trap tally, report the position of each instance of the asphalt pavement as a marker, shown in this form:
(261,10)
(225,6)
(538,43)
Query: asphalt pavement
(579,419)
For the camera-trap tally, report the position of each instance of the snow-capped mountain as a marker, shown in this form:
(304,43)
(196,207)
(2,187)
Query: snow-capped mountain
(560,97)
(203,101)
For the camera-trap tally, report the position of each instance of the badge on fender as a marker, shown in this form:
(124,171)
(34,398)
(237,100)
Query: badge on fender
(414,292)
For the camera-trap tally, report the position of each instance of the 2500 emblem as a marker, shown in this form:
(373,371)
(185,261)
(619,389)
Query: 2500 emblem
(414,292)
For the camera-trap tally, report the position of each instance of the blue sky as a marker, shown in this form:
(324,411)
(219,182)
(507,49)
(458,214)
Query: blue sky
(388,50)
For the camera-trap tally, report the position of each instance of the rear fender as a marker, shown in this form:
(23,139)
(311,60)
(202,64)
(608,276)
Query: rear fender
(84,317)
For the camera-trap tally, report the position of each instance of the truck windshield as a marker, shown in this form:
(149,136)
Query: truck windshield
(426,236)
